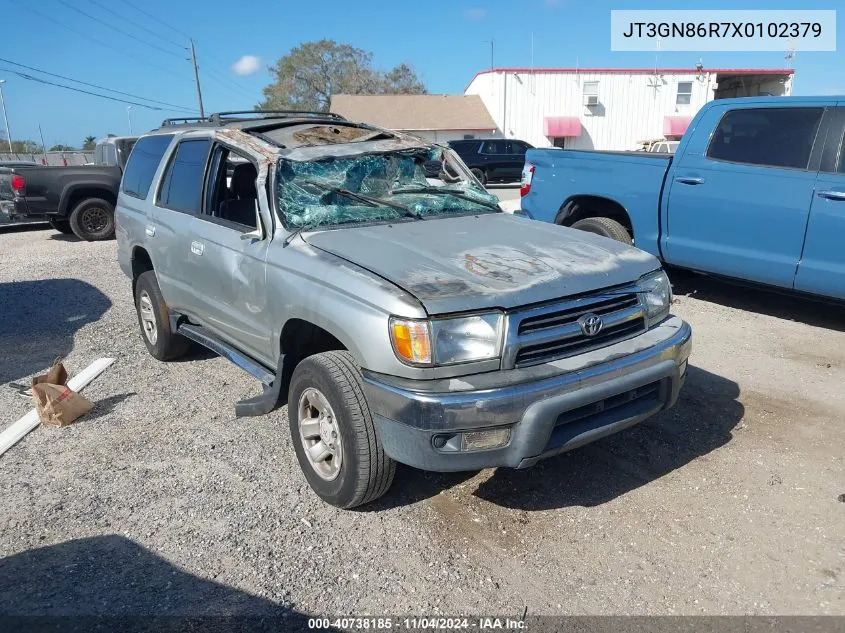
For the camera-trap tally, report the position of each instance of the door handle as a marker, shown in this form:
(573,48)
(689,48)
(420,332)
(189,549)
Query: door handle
(197,248)
(832,195)
(150,230)
(690,180)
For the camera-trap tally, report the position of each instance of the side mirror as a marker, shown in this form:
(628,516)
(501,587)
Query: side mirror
(259,233)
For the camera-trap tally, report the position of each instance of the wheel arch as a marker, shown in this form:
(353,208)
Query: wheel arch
(75,194)
(588,206)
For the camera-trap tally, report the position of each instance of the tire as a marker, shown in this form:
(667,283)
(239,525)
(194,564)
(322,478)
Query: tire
(358,470)
(161,342)
(604,227)
(480,174)
(93,220)
(62,226)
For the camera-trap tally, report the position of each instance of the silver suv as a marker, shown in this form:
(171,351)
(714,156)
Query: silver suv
(366,278)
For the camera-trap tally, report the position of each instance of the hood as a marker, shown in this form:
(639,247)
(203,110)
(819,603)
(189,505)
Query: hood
(486,261)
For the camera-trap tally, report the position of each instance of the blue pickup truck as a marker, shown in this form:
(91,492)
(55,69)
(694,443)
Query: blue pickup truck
(755,191)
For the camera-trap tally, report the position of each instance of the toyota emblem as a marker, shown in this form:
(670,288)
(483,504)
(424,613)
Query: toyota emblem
(591,324)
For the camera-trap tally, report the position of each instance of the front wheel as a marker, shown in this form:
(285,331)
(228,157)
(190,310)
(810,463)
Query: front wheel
(333,432)
(604,227)
(93,220)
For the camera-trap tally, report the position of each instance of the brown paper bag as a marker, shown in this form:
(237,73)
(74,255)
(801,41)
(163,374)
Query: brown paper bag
(56,403)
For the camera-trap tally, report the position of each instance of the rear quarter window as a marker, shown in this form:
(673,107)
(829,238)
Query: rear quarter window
(143,163)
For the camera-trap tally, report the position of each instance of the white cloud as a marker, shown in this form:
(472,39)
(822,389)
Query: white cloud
(247,65)
(475,14)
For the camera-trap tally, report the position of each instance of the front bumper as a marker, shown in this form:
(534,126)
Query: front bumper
(617,387)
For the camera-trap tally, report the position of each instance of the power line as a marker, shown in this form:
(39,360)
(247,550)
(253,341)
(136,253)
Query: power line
(157,19)
(136,25)
(87,37)
(119,30)
(88,92)
(85,83)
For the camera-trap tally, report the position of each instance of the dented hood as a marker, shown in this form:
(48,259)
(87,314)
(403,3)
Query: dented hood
(486,261)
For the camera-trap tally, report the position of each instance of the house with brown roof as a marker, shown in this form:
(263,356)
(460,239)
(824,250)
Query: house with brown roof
(438,118)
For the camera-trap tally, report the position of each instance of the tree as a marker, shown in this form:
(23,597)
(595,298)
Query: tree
(25,147)
(62,148)
(308,76)
(89,143)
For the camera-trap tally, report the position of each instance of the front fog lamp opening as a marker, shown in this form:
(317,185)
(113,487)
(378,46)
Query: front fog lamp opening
(469,441)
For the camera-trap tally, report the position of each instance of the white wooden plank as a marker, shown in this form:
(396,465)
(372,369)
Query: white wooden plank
(17,430)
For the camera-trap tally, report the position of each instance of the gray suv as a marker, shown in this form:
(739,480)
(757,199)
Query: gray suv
(367,279)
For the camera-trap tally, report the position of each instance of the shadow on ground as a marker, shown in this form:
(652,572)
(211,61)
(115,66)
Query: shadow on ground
(111,583)
(791,307)
(39,321)
(700,422)
(65,237)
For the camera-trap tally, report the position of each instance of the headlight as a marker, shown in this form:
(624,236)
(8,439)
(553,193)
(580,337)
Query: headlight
(447,341)
(656,292)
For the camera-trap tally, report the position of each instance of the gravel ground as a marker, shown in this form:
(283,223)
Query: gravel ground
(161,502)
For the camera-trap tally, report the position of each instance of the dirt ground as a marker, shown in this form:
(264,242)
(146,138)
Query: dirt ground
(161,502)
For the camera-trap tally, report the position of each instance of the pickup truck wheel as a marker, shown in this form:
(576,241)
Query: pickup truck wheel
(604,227)
(93,220)
(62,226)
(479,173)
(333,432)
(154,320)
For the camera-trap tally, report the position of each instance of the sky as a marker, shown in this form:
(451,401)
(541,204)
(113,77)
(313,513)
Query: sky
(446,42)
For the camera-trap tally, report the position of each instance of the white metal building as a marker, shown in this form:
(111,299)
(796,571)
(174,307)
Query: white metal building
(611,109)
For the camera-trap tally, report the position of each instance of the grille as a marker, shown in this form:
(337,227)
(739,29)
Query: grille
(553,332)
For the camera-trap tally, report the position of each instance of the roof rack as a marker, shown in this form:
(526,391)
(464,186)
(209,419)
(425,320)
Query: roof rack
(221,117)
(185,120)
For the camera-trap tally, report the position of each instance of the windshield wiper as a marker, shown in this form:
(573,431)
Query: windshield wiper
(444,191)
(376,202)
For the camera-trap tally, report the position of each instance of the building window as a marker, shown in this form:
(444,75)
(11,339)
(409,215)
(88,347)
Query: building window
(684,93)
(591,93)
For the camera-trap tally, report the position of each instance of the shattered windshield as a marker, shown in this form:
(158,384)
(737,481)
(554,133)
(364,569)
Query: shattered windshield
(419,183)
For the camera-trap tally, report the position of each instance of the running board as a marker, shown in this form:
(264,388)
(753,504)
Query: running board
(271,383)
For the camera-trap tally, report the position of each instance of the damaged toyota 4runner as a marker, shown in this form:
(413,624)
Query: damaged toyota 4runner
(369,281)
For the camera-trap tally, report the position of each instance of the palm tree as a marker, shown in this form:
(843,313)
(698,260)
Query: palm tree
(89,142)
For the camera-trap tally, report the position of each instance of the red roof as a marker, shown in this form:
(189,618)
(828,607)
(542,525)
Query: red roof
(642,71)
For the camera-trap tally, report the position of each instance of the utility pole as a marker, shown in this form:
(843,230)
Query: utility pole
(129,116)
(197,78)
(5,118)
(43,147)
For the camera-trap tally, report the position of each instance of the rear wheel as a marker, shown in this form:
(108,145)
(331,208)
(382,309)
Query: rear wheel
(480,174)
(93,220)
(604,227)
(62,226)
(333,432)
(154,319)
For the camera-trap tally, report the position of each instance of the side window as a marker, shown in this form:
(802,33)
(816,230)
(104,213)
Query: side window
(493,147)
(231,195)
(181,186)
(775,137)
(515,147)
(142,165)
(109,154)
(842,156)
(684,93)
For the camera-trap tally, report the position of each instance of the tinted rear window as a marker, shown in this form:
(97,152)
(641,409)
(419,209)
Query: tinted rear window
(776,137)
(181,188)
(142,165)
